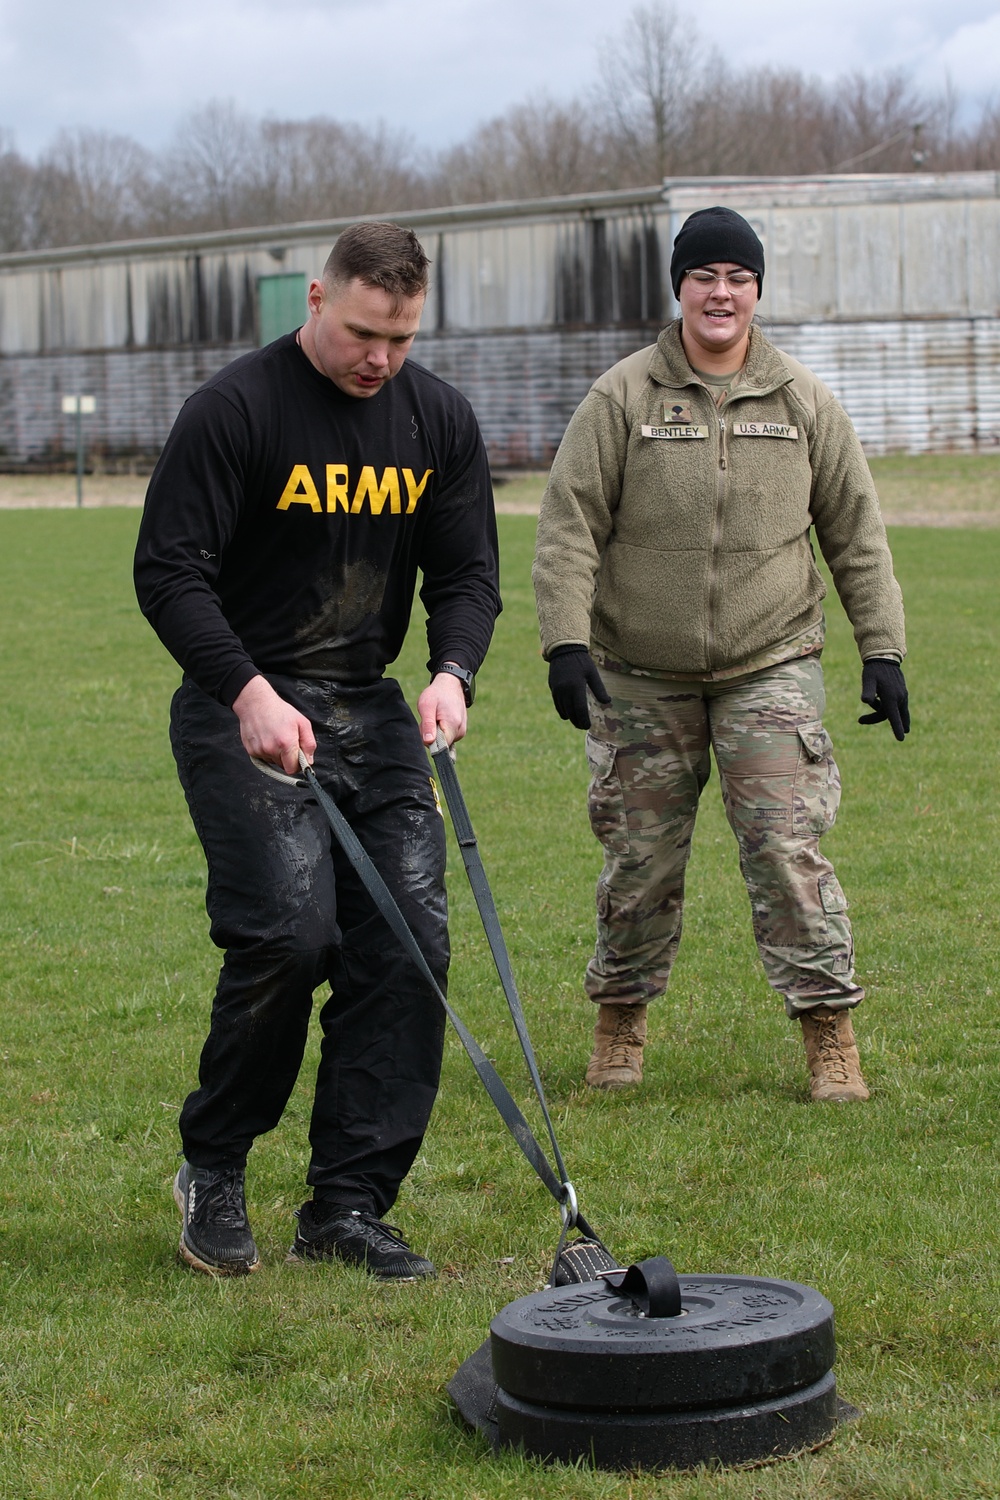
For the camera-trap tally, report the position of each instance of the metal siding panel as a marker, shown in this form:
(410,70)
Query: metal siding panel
(535,306)
(139,293)
(869,261)
(461,278)
(525,386)
(914,387)
(74,309)
(498,277)
(632,271)
(307,259)
(111,323)
(431,246)
(935,280)
(139,393)
(491,280)
(572,273)
(21,312)
(801,263)
(983,258)
(986,383)
(572,266)
(9,446)
(667,224)
(93,308)
(844,188)
(908,387)
(512,248)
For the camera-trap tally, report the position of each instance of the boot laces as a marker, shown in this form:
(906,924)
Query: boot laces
(623,1041)
(832,1053)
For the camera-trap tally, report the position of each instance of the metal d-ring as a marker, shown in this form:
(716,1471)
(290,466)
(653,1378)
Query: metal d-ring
(569,1209)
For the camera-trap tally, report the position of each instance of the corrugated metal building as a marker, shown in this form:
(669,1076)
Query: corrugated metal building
(887,286)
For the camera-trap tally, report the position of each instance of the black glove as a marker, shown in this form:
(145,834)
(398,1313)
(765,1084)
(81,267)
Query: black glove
(882,686)
(571,672)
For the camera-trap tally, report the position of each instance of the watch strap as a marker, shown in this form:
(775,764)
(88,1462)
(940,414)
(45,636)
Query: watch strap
(465,677)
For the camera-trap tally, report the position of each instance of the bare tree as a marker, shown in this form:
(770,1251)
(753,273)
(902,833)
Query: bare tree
(91,186)
(878,121)
(536,150)
(760,121)
(651,76)
(16,198)
(226,170)
(380,171)
(983,150)
(211,164)
(663,104)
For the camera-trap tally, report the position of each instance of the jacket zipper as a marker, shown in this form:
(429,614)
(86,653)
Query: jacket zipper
(721,487)
(713,560)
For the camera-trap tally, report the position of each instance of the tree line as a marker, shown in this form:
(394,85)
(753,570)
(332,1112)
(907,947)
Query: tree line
(664,104)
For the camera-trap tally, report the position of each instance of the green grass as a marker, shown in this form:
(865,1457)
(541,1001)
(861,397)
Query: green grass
(929,489)
(121,1374)
(940,486)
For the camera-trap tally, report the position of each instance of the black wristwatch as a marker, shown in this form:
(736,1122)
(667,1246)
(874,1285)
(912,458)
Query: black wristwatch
(465,677)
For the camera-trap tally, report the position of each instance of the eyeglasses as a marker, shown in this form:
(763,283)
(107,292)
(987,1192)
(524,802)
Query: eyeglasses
(737,281)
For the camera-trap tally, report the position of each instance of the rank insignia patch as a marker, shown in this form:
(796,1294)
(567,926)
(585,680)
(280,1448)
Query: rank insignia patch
(677,413)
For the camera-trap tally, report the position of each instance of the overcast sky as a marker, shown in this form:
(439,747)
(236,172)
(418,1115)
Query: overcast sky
(435,67)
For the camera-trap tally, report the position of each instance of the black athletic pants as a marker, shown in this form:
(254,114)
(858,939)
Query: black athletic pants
(290,913)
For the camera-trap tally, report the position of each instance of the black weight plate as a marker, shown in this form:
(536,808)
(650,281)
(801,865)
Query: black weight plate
(738,1339)
(673,1440)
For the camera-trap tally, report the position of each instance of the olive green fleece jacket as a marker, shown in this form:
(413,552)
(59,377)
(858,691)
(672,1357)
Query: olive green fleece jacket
(674,535)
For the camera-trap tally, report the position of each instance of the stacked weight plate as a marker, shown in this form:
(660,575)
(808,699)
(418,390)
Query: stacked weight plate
(743,1373)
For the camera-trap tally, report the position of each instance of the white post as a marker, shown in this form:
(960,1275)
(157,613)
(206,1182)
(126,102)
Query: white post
(79,406)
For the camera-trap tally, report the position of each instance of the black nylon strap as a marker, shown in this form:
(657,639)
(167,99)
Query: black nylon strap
(651,1284)
(444,765)
(492,1082)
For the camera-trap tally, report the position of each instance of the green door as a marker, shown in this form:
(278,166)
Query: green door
(281,304)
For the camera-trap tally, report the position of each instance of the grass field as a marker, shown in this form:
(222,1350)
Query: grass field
(942,489)
(929,489)
(122,1374)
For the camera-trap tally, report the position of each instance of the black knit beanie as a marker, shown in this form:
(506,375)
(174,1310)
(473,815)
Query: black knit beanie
(715,236)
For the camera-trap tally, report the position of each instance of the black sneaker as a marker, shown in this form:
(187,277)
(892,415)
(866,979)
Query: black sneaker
(215,1236)
(359,1238)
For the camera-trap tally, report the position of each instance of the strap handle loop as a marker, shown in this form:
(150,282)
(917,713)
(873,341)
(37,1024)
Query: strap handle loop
(651,1284)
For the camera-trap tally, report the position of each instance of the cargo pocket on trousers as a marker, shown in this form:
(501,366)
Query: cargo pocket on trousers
(817,783)
(605,800)
(831,895)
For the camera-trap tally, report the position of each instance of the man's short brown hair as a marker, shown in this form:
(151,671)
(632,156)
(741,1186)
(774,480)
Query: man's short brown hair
(379,254)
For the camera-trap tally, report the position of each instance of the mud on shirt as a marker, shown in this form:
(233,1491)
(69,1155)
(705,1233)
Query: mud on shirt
(285,524)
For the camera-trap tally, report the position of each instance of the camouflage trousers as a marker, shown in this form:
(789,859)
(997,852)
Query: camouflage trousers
(649,753)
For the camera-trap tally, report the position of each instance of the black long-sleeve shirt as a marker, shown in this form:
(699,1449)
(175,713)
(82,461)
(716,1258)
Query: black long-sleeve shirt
(285,523)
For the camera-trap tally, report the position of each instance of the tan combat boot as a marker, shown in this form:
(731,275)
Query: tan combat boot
(616,1062)
(832,1055)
